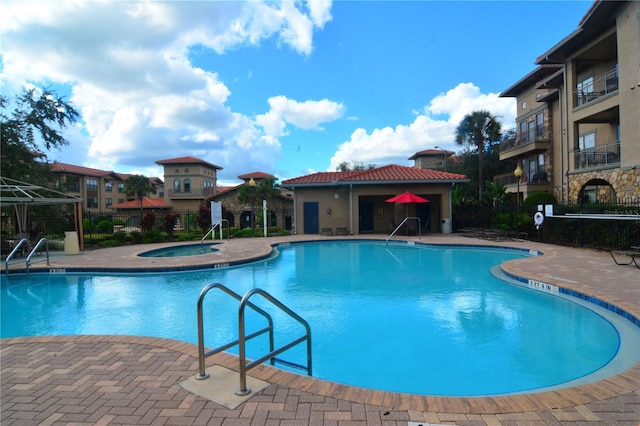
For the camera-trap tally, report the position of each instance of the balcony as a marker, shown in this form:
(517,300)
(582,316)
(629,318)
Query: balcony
(599,87)
(527,186)
(534,139)
(191,194)
(600,156)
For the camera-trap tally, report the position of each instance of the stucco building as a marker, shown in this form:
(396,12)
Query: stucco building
(578,121)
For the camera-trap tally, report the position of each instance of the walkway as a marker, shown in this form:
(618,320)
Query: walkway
(138,380)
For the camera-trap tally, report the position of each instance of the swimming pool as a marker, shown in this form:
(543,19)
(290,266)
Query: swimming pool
(181,250)
(418,319)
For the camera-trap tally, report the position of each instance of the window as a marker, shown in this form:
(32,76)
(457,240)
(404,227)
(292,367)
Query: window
(176,185)
(524,105)
(121,187)
(56,184)
(186,170)
(108,201)
(587,141)
(532,131)
(187,185)
(92,184)
(523,131)
(108,186)
(92,203)
(585,90)
(539,125)
(176,170)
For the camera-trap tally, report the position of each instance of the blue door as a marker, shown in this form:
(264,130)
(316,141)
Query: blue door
(311,218)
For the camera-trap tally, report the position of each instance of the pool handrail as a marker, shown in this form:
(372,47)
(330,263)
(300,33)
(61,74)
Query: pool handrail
(13,252)
(202,374)
(241,341)
(244,390)
(400,226)
(214,227)
(37,246)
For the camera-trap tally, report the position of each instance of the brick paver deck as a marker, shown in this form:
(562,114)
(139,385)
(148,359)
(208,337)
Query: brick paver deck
(97,380)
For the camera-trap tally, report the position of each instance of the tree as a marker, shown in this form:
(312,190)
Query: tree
(265,189)
(137,185)
(478,129)
(34,126)
(356,166)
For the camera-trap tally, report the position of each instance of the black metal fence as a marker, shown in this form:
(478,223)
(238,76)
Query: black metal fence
(598,226)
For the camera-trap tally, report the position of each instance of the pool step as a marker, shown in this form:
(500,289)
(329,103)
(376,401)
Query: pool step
(289,364)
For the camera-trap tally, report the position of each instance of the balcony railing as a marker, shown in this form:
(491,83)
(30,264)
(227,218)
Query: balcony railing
(508,179)
(596,157)
(192,193)
(600,86)
(539,133)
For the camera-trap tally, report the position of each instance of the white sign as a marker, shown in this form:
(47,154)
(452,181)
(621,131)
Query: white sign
(216,217)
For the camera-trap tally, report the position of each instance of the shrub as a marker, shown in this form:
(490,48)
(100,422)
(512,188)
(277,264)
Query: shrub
(540,197)
(136,237)
(104,226)
(247,233)
(148,221)
(153,236)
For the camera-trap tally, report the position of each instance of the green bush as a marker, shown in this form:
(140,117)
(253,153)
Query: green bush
(540,197)
(119,222)
(247,233)
(136,237)
(104,226)
(153,236)
(109,243)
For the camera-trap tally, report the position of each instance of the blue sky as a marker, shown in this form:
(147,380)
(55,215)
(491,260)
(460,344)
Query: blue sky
(287,88)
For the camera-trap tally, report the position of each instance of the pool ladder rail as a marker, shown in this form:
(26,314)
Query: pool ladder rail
(18,249)
(242,338)
(406,219)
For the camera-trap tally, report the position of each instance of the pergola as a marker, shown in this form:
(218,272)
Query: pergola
(21,195)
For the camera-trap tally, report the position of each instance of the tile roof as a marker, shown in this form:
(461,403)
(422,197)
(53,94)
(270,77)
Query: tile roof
(147,203)
(430,152)
(388,174)
(187,160)
(57,167)
(257,175)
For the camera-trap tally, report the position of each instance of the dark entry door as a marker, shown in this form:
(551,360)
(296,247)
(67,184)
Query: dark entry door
(366,216)
(423,211)
(311,222)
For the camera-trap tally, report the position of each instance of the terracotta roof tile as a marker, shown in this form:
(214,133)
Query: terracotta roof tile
(57,167)
(187,160)
(390,173)
(257,175)
(147,203)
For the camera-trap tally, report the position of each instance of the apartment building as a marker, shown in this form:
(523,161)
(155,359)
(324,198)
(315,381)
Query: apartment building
(99,189)
(189,181)
(578,119)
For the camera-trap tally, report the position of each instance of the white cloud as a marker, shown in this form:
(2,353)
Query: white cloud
(435,125)
(140,98)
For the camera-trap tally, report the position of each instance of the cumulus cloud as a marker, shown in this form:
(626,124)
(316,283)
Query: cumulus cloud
(433,126)
(127,67)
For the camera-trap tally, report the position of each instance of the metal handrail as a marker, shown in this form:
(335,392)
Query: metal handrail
(14,251)
(42,241)
(241,341)
(400,226)
(271,355)
(202,374)
(214,227)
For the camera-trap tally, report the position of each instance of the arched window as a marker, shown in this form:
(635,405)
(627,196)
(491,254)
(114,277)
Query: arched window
(187,185)
(176,185)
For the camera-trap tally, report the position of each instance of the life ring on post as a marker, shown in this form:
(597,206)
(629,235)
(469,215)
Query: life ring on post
(538,218)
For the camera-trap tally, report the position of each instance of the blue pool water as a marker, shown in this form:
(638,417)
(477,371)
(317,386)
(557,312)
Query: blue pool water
(417,319)
(180,250)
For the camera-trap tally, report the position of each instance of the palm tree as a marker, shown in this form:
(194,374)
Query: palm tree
(477,129)
(265,189)
(137,185)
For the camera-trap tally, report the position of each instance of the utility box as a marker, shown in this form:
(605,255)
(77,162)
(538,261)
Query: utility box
(71,245)
(446,226)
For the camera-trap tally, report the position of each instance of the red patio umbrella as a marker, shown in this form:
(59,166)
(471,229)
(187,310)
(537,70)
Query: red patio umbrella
(407,198)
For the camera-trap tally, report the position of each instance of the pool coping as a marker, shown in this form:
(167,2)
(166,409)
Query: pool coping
(625,382)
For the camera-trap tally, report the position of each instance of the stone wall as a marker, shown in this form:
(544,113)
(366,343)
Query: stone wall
(625,183)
